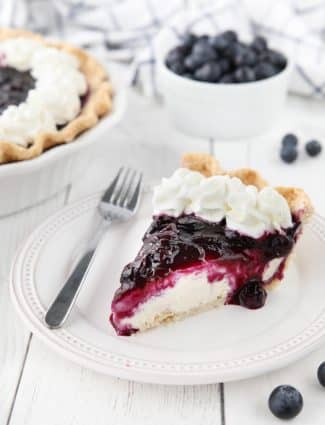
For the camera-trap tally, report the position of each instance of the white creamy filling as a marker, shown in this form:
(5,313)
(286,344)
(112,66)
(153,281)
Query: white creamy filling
(55,100)
(190,292)
(245,209)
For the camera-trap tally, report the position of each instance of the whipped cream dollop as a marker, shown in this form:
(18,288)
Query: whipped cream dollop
(245,209)
(55,100)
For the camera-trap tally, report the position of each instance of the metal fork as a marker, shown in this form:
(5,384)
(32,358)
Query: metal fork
(119,202)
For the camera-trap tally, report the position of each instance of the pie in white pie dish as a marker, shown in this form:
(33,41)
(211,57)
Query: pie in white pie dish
(39,170)
(50,92)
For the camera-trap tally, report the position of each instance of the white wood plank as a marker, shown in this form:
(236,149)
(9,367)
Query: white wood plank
(13,336)
(250,397)
(55,391)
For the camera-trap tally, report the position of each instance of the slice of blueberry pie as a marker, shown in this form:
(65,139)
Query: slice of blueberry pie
(49,93)
(216,238)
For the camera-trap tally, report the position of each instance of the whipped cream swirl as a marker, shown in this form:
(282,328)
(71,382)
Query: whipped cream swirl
(55,100)
(245,209)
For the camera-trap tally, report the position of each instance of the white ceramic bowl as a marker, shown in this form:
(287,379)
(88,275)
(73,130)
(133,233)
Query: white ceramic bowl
(26,183)
(222,111)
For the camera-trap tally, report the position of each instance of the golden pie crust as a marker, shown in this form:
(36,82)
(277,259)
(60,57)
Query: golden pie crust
(98,103)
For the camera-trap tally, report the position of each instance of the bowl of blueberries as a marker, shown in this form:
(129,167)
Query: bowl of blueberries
(218,86)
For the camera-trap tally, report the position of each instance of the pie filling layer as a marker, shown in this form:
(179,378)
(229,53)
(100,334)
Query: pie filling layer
(187,264)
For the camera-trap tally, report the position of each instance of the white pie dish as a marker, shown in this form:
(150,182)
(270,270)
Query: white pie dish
(26,183)
(214,110)
(224,344)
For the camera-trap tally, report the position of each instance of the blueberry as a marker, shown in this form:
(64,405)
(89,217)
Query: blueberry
(290,140)
(289,153)
(250,57)
(313,148)
(204,38)
(177,67)
(219,42)
(230,36)
(244,75)
(204,51)
(193,62)
(176,54)
(188,40)
(259,44)
(321,374)
(264,70)
(227,79)
(225,65)
(209,72)
(285,402)
(235,53)
(277,59)
(252,295)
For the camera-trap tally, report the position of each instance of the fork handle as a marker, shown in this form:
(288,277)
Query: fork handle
(63,303)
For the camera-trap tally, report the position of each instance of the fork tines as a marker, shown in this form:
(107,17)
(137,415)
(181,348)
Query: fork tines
(125,189)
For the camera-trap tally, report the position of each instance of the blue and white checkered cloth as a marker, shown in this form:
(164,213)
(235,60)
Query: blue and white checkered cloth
(123,30)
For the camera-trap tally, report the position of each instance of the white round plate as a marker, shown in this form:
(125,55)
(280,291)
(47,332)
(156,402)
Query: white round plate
(224,344)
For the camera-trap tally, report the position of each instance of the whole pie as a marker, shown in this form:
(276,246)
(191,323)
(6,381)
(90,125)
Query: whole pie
(216,238)
(49,94)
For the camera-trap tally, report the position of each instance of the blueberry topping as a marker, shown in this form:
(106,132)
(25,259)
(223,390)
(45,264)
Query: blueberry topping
(259,44)
(290,140)
(289,153)
(179,242)
(313,148)
(285,402)
(252,295)
(321,374)
(238,62)
(209,72)
(14,86)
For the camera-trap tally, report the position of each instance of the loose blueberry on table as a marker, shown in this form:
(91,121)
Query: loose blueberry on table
(223,58)
(313,148)
(321,374)
(285,402)
(289,151)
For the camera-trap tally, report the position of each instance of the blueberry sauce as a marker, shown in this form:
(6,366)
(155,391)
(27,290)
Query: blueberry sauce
(187,244)
(14,86)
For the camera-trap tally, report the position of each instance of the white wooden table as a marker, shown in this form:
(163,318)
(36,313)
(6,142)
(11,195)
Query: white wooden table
(37,387)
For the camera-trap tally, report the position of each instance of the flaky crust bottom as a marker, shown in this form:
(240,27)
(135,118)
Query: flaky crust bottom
(98,103)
